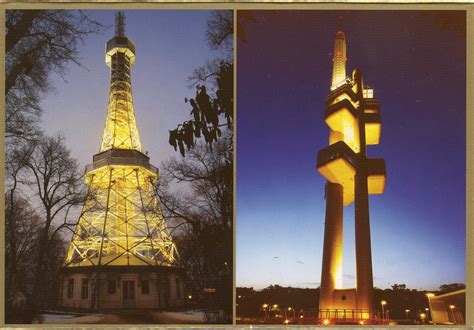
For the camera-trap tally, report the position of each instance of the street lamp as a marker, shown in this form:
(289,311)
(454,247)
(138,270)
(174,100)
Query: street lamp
(291,310)
(422,317)
(264,306)
(452,307)
(427,310)
(430,295)
(383,303)
(275,309)
(189,298)
(406,312)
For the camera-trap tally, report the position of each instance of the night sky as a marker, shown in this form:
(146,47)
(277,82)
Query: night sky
(416,64)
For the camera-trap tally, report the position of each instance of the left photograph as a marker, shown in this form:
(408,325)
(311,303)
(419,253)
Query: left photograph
(119,166)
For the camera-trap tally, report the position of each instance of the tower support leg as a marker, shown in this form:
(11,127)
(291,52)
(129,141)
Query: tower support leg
(362,242)
(364,277)
(331,276)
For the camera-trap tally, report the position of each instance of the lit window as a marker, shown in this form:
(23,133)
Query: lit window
(369,93)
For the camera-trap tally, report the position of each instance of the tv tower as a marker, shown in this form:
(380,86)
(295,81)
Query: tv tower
(353,116)
(121,254)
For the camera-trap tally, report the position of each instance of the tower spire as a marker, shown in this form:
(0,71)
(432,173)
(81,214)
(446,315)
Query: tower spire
(119,24)
(120,127)
(339,57)
(341,23)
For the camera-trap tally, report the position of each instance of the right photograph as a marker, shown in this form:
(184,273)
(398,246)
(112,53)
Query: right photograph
(351,167)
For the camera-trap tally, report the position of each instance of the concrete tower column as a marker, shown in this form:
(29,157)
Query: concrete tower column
(332,251)
(364,277)
(362,242)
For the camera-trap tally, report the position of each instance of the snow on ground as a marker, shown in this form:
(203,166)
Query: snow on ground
(70,318)
(181,317)
(53,318)
(125,317)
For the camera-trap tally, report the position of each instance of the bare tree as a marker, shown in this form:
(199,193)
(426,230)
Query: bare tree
(19,217)
(38,43)
(220,37)
(21,226)
(55,181)
(202,216)
(210,174)
(207,173)
(196,190)
(220,30)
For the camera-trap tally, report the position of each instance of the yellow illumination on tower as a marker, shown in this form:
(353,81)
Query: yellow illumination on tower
(121,223)
(339,60)
(120,130)
(353,117)
(340,171)
(372,133)
(344,127)
(376,184)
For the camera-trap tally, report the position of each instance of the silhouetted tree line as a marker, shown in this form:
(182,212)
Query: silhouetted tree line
(398,298)
(249,301)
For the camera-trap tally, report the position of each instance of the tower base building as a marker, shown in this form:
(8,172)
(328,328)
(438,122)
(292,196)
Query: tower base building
(138,287)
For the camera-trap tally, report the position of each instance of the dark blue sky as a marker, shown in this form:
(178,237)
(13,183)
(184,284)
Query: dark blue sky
(416,64)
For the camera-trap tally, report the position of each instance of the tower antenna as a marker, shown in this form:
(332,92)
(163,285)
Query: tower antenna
(119,24)
(341,23)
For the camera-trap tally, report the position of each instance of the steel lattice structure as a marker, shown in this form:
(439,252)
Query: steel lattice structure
(121,222)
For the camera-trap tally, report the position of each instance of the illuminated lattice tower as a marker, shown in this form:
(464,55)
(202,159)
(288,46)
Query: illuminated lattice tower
(121,254)
(353,116)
